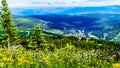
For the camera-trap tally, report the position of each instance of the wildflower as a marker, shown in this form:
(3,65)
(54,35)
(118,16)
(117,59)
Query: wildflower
(8,60)
(5,59)
(2,65)
(20,59)
(117,65)
(46,60)
(92,67)
(42,63)
(113,55)
(65,60)
(112,58)
(100,60)
(19,63)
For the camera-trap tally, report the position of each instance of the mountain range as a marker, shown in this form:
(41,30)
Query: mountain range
(65,10)
(96,22)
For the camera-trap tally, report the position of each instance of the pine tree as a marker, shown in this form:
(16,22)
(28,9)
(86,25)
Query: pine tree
(37,34)
(37,40)
(9,29)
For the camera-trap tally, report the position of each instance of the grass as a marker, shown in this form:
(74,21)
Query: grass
(60,58)
(23,20)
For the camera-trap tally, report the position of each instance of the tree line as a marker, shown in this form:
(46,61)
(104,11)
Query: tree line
(10,33)
(10,36)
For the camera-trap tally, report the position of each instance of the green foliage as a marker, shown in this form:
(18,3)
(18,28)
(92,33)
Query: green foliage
(37,40)
(6,19)
(9,29)
(32,44)
(78,58)
(56,51)
(69,47)
(62,42)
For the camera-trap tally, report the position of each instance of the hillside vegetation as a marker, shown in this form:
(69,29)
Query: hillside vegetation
(102,26)
(30,46)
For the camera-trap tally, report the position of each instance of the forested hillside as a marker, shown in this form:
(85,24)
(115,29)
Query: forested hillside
(58,41)
(98,26)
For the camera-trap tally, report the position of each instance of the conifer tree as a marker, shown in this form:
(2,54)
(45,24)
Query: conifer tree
(37,34)
(37,40)
(9,29)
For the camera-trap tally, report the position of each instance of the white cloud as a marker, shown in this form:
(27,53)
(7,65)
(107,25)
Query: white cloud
(35,3)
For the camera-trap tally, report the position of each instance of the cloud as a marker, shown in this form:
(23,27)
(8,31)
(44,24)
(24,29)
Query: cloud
(75,1)
(36,3)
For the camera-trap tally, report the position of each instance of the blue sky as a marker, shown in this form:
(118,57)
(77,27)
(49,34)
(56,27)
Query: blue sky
(72,3)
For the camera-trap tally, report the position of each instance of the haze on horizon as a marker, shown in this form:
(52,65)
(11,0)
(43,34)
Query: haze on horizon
(64,3)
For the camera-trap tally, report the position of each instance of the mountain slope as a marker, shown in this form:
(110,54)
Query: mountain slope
(64,10)
(103,26)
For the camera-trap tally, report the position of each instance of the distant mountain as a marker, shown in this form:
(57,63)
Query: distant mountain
(99,22)
(102,26)
(65,10)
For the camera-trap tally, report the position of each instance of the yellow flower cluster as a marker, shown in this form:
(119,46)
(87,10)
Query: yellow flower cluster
(60,58)
(112,58)
(5,59)
(2,65)
(117,65)
(46,60)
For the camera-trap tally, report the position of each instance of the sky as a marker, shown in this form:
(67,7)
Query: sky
(65,3)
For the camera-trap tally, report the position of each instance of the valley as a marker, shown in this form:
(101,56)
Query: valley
(102,26)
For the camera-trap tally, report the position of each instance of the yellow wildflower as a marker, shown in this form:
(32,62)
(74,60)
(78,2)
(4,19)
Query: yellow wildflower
(25,61)
(22,62)
(46,60)
(19,63)
(117,65)
(20,59)
(8,60)
(2,65)
(112,58)
(92,67)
